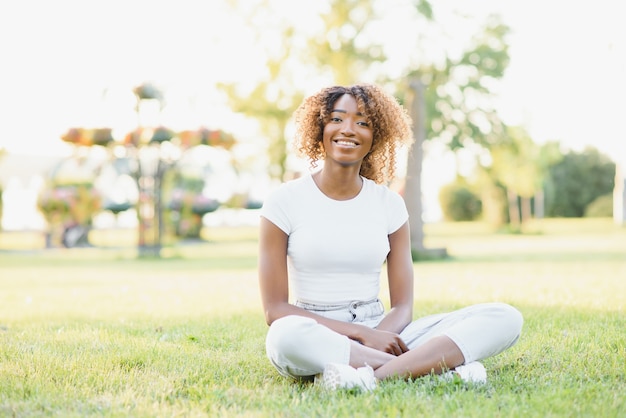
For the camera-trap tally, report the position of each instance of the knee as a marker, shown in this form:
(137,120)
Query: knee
(513,315)
(511,318)
(287,333)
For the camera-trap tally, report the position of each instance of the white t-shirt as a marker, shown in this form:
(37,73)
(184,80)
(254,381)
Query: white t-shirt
(336,248)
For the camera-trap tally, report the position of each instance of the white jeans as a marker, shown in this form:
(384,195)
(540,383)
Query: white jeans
(299,346)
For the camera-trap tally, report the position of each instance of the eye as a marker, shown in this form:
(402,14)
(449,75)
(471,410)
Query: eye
(335,119)
(364,123)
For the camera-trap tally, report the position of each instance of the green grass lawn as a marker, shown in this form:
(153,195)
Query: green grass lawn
(98,332)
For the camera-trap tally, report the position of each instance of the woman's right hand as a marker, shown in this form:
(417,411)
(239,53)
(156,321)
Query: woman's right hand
(386,341)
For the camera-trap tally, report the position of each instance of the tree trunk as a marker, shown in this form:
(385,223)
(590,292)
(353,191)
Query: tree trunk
(413,186)
(619,195)
(514,214)
(413,182)
(527,212)
(540,204)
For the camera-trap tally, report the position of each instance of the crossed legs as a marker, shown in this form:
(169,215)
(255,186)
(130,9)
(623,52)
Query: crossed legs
(301,347)
(435,356)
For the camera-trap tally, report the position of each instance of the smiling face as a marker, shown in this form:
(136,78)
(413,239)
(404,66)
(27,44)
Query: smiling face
(347,135)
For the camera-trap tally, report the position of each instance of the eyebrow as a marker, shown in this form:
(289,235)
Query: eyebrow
(345,111)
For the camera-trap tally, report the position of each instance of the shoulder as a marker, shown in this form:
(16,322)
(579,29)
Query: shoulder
(389,202)
(288,193)
(291,187)
(382,192)
(283,206)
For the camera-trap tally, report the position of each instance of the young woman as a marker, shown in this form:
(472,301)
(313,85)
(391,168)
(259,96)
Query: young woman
(324,238)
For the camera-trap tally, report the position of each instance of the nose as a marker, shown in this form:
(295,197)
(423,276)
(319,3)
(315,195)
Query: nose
(347,128)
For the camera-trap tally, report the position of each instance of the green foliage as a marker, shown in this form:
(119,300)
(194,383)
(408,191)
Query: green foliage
(577,180)
(425,9)
(458,90)
(459,203)
(275,94)
(340,50)
(602,207)
(345,50)
(493,198)
(519,166)
(516,163)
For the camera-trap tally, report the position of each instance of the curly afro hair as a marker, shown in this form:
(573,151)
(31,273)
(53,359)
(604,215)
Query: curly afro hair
(391,126)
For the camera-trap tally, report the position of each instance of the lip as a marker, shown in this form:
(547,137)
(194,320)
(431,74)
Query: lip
(339,142)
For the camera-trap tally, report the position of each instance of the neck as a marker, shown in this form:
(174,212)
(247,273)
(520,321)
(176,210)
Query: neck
(339,185)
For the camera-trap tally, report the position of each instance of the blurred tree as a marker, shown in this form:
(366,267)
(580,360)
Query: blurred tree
(274,97)
(457,103)
(577,180)
(520,165)
(260,104)
(513,176)
(336,51)
(345,50)
(459,91)
(451,102)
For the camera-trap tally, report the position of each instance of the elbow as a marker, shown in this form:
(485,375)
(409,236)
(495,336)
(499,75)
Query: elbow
(276,311)
(271,316)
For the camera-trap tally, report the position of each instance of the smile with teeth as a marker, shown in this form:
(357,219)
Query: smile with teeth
(345,143)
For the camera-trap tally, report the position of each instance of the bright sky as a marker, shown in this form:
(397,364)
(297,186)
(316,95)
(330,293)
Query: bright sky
(74,62)
(567,75)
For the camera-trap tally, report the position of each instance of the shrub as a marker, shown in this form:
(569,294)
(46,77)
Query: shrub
(459,203)
(602,207)
(576,181)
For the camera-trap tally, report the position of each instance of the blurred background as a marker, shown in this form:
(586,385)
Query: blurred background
(169,117)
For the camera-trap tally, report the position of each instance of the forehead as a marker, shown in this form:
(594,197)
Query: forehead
(347,103)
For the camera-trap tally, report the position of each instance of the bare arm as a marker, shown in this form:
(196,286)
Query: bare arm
(400,274)
(274,284)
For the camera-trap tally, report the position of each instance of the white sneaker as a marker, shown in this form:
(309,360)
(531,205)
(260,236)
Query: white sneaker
(343,376)
(473,372)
